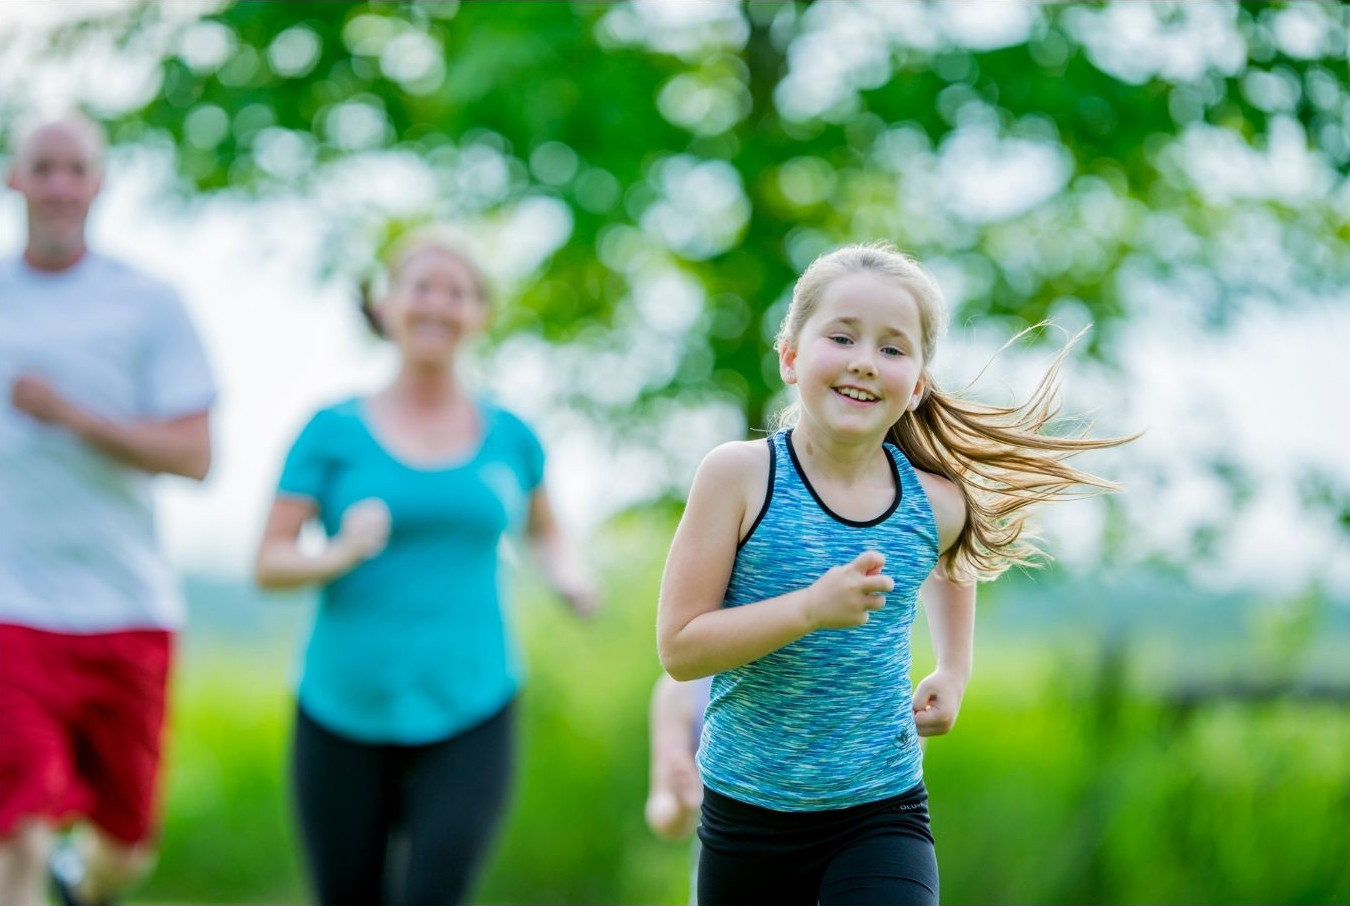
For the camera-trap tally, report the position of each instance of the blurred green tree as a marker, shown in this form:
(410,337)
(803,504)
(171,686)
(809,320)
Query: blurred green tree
(1041,157)
(675,165)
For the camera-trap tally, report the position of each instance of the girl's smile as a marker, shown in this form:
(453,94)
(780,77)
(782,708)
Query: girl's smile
(857,395)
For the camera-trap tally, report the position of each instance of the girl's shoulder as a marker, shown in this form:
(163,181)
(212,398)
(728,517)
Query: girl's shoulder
(734,472)
(732,481)
(947,503)
(737,461)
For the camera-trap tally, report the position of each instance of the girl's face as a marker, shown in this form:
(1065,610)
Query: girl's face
(858,360)
(434,303)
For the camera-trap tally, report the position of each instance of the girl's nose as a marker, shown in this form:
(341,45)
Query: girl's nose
(862,365)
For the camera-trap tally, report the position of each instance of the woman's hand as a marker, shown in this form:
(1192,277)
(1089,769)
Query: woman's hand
(580,593)
(364,531)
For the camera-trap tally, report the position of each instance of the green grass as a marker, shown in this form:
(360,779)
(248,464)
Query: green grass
(1063,783)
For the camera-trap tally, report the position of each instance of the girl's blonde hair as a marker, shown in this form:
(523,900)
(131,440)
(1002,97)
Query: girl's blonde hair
(1000,457)
(403,250)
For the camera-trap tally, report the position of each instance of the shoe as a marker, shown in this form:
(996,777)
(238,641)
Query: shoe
(66,870)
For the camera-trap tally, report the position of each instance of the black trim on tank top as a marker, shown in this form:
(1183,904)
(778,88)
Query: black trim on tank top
(895,476)
(768,493)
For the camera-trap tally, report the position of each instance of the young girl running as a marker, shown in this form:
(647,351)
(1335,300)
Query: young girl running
(794,577)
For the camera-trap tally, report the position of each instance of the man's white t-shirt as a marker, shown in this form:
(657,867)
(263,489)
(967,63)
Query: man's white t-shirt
(78,551)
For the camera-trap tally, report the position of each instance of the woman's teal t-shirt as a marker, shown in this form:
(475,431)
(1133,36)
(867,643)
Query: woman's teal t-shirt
(413,646)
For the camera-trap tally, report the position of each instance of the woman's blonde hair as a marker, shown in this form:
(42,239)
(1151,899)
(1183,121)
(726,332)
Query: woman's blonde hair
(404,249)
(1001,458)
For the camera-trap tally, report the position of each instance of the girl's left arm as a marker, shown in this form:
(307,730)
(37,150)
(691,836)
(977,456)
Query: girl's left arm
(558,562)
(950,606)
(951,624)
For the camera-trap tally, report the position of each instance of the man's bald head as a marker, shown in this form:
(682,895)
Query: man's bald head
(68,129)
(58,169)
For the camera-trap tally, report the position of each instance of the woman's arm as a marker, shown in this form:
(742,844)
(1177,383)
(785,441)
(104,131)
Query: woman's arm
(696,636)
(281,564)
(558,562)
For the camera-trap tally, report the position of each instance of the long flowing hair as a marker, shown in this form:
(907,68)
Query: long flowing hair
(1003,459)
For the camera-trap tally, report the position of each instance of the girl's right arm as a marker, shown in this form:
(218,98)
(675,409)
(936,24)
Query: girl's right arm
(281,564)
(696,636)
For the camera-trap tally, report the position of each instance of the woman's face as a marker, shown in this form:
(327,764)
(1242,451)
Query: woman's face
(433,304)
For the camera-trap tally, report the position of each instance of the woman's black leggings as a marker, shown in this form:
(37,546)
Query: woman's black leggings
(880,852)
(400,824)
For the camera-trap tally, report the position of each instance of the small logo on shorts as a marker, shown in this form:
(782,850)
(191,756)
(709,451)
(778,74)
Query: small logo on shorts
(906,806)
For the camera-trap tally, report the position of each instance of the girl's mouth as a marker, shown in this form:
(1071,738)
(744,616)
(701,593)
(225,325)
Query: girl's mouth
(857,395)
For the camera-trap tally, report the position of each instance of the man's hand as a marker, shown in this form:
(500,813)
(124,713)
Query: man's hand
(39,399)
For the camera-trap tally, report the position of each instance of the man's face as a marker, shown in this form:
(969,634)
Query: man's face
(57,171)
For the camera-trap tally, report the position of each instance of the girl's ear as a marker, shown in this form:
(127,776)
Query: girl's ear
(787,363)
(917,396)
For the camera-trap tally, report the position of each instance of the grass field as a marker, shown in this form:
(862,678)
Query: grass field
(1067,780)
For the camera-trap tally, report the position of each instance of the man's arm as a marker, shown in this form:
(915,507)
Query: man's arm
(178,446)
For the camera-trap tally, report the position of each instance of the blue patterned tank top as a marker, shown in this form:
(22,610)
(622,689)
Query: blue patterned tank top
(824,722)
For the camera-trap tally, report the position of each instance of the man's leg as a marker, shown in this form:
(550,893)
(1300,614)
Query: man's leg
(38,786)
(118,756)
(23,863)
(95,867)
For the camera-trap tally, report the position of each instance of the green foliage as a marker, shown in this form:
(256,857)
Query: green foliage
(731,148)
(1169,163)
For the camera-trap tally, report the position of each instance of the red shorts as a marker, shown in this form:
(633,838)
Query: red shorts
(81,719)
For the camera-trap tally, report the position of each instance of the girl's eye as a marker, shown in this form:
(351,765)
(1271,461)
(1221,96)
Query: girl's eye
(841,340)
(892,351)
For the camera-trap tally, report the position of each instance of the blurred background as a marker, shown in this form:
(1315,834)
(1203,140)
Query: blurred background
(1162,715)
